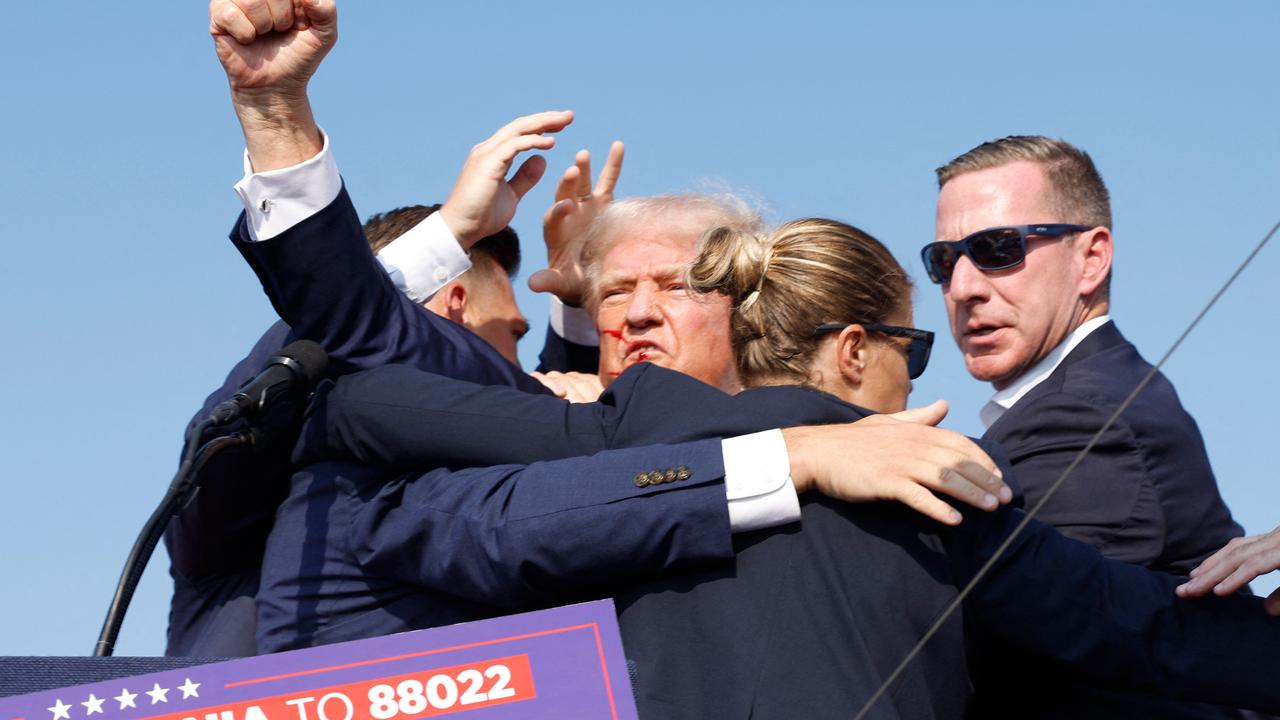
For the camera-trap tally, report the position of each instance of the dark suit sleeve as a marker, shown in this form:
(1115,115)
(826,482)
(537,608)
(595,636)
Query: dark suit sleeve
(516,535)
(564,356)
(1110,500)
(324,281)
(400,417)
(1119,624)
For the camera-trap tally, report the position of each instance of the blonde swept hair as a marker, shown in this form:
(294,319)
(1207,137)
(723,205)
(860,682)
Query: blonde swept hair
(785,284)
(690,214)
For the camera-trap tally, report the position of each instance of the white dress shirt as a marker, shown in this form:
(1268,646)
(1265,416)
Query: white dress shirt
(758,485)
(1000,403)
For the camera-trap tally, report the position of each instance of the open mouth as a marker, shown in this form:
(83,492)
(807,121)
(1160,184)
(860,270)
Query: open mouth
(639,351)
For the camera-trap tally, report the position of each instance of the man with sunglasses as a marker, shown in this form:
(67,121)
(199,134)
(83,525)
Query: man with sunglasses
(1023,257)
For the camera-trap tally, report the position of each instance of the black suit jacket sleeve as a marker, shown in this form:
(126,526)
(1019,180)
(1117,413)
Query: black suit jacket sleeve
(1119,624)
(399,417)
(324,281)
(515,535)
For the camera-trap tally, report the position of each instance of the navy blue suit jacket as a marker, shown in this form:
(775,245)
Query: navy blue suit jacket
(324,281)
(1145,494)
(800,619)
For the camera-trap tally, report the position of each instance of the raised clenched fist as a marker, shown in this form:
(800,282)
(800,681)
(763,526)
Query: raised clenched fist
(272,45)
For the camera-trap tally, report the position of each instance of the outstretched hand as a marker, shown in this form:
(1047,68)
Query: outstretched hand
(483,201)
(272,45)
(900,457)
(1236,565)
(564,225)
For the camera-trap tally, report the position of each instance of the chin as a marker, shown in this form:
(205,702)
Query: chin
(989,369)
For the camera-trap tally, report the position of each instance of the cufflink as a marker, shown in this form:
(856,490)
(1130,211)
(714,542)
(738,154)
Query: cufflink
(265,205)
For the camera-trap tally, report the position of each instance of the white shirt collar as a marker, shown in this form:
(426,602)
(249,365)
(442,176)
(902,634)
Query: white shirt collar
(1004,399)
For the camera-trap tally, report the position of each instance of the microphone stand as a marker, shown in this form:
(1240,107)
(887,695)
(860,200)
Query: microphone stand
(181,489)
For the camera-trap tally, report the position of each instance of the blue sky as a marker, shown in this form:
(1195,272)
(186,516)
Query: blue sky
(124,304)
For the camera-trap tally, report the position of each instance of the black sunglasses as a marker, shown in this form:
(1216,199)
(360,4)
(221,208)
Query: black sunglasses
(917,351)
(997,248)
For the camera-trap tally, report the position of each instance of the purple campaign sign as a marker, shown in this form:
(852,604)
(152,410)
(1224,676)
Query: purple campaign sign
(565,662)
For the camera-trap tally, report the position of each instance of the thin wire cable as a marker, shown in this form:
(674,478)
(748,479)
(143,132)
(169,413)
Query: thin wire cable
(986,567)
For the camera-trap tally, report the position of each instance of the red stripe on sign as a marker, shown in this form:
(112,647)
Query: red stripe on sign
(426,693)
(604,670)
(316,671)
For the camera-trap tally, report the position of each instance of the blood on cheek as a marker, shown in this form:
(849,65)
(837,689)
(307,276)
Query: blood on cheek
(616,335)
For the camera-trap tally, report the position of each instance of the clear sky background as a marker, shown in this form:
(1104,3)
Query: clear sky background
(124,303)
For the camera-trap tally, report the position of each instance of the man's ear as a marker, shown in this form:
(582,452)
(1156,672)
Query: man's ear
(1095,254)
(449,302)
(851,354)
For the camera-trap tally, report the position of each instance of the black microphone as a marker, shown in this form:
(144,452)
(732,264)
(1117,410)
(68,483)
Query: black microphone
(291,373)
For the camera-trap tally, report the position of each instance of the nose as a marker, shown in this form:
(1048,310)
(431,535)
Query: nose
(967,283)
(643,309)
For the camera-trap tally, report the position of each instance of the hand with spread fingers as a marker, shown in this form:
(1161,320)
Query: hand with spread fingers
(483,200)
(1236,565)
(564,225)
(900,457)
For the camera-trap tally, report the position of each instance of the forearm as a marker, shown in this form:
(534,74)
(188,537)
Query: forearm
(398,416)
(279,128)
(521,535)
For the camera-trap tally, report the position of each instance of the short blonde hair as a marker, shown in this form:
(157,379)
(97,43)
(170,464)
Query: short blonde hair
(785,284)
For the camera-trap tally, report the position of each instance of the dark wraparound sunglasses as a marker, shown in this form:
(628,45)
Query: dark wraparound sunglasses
(917,351)
(997,248)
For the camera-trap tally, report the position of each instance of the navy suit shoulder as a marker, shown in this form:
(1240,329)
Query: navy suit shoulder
(1146,494)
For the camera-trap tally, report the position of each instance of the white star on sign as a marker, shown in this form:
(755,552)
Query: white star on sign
(188,689)
(158,694)
(125,698)
(93,704)
(60,711)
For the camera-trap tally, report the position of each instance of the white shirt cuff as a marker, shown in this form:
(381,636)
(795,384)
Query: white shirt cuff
(757,481)
(276,200)
(424,259)
(573,324)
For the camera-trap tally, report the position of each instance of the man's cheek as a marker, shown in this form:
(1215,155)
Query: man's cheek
(610,354)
